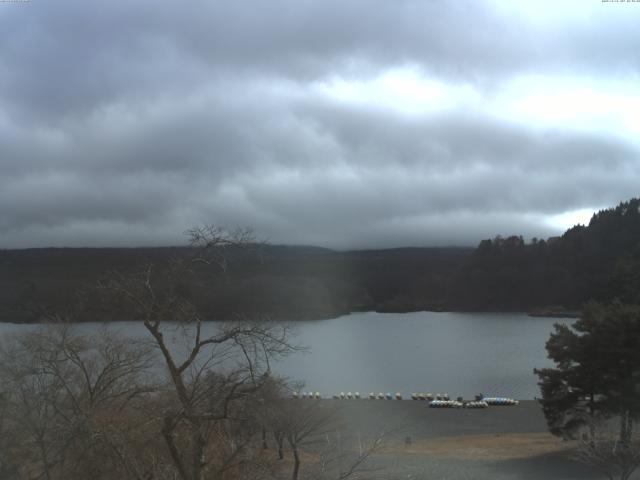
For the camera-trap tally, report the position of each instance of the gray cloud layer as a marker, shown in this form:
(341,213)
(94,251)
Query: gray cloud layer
(125,123)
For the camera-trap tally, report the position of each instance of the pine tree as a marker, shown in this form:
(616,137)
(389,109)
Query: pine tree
(597,373)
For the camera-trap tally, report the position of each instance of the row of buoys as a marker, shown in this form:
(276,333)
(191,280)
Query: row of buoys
(429,396)
(347,396)
(500,401)
(445,404)
(385,396)
(306,395)
(437,401)
(457,404)
(476,404)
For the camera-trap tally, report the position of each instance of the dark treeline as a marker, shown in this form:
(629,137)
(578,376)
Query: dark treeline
(600,261)
(279,281)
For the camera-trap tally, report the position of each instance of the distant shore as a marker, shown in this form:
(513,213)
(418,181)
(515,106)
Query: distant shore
(318,316)
(554,313)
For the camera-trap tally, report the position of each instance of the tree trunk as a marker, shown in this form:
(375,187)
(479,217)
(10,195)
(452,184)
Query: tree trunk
(626,435)
(280,442)
(45,460)
(296,464)
(198,452)
(167,433)
(625,429)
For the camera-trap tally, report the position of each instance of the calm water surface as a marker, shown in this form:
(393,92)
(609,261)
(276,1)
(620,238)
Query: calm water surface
(455,353)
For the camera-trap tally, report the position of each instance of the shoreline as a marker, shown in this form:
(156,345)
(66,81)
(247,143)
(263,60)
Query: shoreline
(334,315)
(415,418)
(500,443)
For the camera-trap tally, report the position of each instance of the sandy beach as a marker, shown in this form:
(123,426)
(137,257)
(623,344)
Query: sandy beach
(499,443)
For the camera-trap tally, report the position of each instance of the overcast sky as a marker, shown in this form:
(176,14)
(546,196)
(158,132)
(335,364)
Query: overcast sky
(328,122)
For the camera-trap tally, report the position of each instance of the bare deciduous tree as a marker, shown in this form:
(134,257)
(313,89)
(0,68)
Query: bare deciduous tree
(100,407)
(59,388)
(304,423)
(8,465)
(336,462)
(315,427)
(218,368)
(600,446)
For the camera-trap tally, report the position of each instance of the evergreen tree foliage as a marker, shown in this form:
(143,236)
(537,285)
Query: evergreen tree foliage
(597,373)
(600,261)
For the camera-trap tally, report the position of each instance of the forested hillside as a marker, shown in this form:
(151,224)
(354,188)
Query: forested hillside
(600,261)
(279,281)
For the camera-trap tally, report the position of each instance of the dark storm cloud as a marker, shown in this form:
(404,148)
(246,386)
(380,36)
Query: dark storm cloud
(127,122)
(378,166)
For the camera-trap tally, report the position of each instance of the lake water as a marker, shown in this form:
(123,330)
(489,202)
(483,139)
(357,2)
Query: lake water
(454,353)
